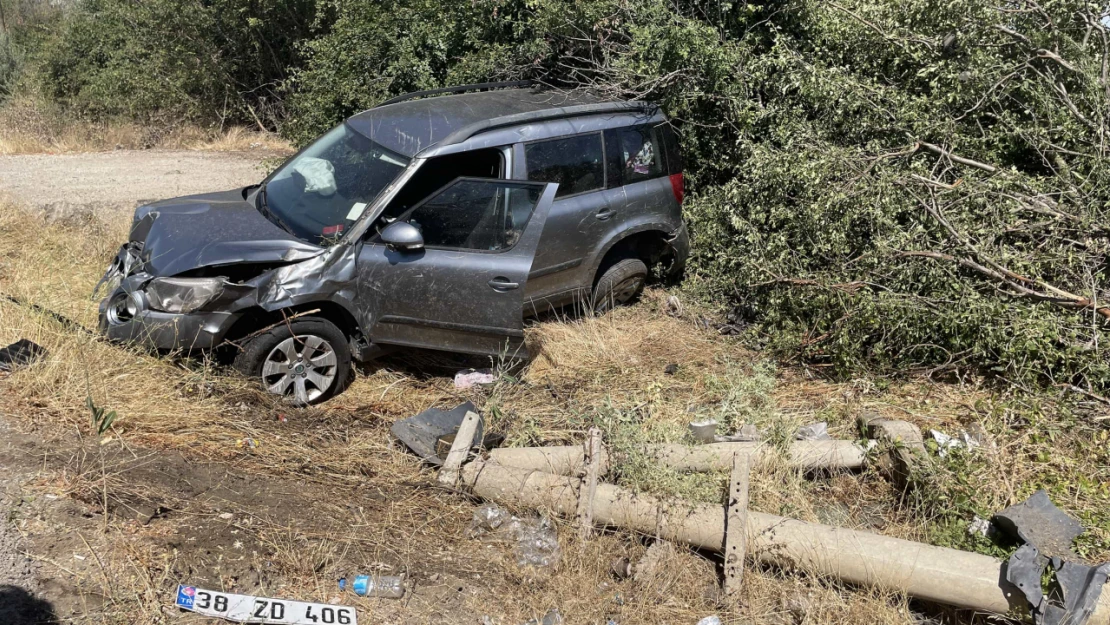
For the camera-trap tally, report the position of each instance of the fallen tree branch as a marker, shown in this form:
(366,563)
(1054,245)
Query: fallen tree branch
(1056,296)
(958,159)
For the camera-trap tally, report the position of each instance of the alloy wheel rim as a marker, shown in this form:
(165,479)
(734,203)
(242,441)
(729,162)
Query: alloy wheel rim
(302,367)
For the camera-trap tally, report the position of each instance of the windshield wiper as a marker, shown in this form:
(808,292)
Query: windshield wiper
(264,208)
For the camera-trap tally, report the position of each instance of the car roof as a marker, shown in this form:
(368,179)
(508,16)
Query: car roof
(412,126)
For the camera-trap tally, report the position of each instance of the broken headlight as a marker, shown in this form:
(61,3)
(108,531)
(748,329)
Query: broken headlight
(182,295)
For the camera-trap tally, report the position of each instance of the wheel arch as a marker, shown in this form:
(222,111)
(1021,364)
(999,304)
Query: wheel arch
(648,242)
(257,318)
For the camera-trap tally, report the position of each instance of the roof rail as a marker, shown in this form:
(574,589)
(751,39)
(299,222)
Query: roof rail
(482,86)
(600,108)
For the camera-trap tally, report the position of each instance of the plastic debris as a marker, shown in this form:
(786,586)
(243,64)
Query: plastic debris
(673,307)
(813,432)
(1079,587)
(946,442)
(20,354)
(621,568)
(671,369)
(471,378)
(979,526)
(703,431)
(710,620)
(747,433)
(387,586)
(1038,522)
(536,542)
(1048,533)
(421,433)
(248,443)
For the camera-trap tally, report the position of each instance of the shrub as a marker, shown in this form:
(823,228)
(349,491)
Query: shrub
(175,59)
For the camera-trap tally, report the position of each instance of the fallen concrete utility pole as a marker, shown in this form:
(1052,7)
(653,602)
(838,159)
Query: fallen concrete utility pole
(948,576)
(806,455)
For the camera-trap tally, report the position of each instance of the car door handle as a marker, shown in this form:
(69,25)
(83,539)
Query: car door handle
(605,214)
(502,284)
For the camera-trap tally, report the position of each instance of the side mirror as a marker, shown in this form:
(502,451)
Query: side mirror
(401,235)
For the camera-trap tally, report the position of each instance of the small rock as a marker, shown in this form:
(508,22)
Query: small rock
(227,516)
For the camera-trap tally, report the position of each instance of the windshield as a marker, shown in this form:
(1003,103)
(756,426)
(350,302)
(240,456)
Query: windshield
(319,193)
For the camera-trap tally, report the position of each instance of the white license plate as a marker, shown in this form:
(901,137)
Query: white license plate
(248,609)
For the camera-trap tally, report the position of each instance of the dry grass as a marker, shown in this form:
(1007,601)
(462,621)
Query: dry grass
(28,126)
(380,506)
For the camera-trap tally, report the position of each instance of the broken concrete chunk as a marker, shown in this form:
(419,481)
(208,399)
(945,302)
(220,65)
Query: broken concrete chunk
(813,432)
(703,431)
(1038,522)
(902,440)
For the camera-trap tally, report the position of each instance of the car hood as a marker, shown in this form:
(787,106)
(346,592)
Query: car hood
(209,230)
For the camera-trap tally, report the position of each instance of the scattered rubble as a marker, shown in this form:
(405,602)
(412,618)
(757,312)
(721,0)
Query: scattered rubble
(957,578)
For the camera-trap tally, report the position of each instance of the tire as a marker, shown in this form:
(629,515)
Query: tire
(274,356)
(619,285)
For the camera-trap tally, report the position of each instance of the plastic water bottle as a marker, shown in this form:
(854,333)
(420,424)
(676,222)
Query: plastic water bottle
(387,586)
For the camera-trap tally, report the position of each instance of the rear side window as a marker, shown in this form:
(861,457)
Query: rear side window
(576,163)
(487,215)
(641,154)
(670,144)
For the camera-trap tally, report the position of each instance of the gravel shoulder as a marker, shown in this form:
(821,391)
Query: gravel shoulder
(120,180)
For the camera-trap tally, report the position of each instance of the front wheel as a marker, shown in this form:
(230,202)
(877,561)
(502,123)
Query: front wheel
(621,284)
(307,360)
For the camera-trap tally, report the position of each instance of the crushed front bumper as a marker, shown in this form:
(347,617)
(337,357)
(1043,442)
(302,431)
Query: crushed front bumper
(125,318)
(168,331)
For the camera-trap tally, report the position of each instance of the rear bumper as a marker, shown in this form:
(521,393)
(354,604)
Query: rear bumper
(679,242)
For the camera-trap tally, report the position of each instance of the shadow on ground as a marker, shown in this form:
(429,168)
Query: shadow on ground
(19,607)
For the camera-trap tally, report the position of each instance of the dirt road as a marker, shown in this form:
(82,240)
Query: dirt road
(124,178)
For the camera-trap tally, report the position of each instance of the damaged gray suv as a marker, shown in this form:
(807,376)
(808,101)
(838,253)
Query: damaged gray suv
(436,220)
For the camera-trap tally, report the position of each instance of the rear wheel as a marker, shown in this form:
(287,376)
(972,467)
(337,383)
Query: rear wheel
(620,284)
(307,360)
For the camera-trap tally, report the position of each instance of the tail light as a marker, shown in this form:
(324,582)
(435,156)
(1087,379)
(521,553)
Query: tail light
(678,185)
